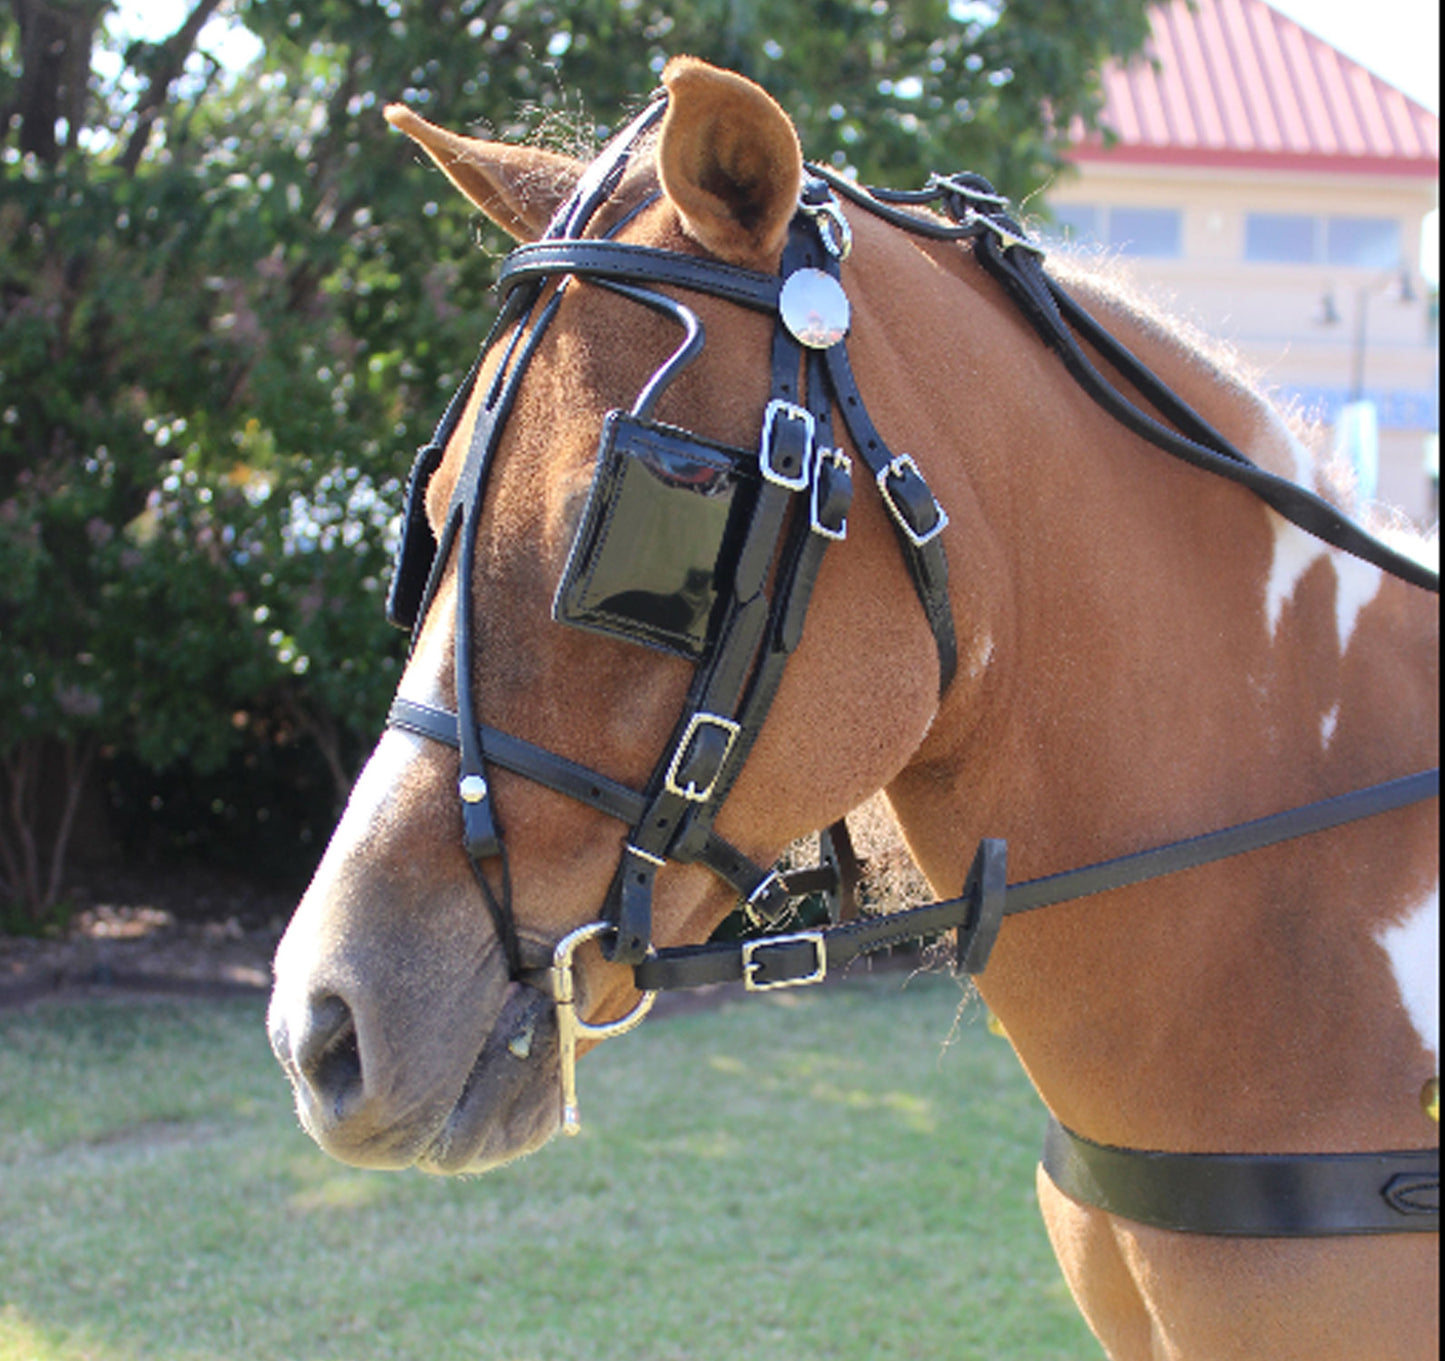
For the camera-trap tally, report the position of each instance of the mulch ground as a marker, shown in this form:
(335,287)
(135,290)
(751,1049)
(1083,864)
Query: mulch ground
(179,933)
(196,934)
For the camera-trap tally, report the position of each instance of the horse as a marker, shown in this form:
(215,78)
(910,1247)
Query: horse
(1032,629)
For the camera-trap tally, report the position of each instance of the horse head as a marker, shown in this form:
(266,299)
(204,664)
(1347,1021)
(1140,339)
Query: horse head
(412,1008)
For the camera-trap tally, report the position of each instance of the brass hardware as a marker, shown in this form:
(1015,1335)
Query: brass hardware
(1430,1099)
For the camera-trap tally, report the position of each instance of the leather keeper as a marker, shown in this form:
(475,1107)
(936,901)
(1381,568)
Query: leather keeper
(480,837)
(985,889)
(832,496)
(630,908)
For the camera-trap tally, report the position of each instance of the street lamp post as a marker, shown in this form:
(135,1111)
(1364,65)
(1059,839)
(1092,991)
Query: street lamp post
(1357,431)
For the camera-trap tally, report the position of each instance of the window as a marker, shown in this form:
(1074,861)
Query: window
(1156,232)
(1075,223)
(1280,237)
(1369,242)
(1153,232)
(1299,238)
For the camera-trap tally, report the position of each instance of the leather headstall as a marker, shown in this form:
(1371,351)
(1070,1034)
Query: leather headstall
(688,545)
(711,552)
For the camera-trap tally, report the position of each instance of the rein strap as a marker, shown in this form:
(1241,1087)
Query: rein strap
(807,957)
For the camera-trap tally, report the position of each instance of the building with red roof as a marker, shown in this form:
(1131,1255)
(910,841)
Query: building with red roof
(1275,192)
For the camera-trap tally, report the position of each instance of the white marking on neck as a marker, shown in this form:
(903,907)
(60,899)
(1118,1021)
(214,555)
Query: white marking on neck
(1356,584)
(980,655)
(1413,946)
(1328,725)
(1295,552)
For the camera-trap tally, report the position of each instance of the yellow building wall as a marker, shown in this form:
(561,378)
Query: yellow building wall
(1297,325)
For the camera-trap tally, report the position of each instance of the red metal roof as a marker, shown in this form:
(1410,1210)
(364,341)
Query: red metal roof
(1235,83)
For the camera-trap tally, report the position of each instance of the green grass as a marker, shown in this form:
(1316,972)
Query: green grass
(811,1175)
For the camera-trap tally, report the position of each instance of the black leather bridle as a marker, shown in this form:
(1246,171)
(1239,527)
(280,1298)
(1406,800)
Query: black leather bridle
(800,505)
(800,487)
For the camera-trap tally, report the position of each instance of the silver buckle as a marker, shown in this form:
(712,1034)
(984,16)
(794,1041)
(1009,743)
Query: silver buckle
(899,464)
(751,966)
(692,793)
(839,460)
(833,227)
(775,409)
(1006,238)
(750,909)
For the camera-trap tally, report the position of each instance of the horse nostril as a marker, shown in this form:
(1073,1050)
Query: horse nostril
(327,1054)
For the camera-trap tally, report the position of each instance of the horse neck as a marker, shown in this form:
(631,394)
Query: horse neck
(1157,656)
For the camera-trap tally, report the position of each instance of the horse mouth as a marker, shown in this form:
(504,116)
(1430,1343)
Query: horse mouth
(510,1103)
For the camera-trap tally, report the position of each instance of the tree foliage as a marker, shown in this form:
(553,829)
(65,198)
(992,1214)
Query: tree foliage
(230,300)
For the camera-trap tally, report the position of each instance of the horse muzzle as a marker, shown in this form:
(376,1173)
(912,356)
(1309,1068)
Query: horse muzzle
(386,1090)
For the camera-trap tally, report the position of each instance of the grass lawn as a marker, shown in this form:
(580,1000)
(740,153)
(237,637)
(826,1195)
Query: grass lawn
(808,1175)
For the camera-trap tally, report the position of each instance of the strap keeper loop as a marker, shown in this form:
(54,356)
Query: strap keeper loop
(985,890)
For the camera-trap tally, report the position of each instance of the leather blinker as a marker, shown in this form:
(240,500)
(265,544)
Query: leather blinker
(659,538)
(418,546)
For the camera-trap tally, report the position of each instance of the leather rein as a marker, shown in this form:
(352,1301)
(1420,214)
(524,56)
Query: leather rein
(804,491)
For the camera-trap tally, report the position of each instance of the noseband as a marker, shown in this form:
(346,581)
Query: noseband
(735,540)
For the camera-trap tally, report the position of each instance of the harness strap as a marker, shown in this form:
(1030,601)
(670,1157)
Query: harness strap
(624,263)
(1044,303)
(918,519)
(792,959)
(1254,1195)
(731,692)
(1002,247)
(576,781)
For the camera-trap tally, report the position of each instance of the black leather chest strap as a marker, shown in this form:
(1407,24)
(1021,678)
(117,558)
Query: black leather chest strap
(1253,1195)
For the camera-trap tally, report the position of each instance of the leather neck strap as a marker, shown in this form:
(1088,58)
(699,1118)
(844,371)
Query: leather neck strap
(1250,1195)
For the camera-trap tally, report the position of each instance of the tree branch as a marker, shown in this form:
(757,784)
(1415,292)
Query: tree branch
(171,62)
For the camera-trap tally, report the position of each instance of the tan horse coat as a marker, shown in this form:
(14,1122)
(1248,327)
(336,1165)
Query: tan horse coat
(1147,653)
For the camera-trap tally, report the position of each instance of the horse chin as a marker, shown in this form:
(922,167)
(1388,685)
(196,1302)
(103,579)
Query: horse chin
(511,1103)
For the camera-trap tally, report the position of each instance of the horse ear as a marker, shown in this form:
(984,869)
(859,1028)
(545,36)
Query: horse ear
(730,162)
(518,187)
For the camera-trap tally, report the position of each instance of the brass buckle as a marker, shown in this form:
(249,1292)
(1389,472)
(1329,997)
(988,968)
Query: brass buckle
(751,965)
(691,792)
